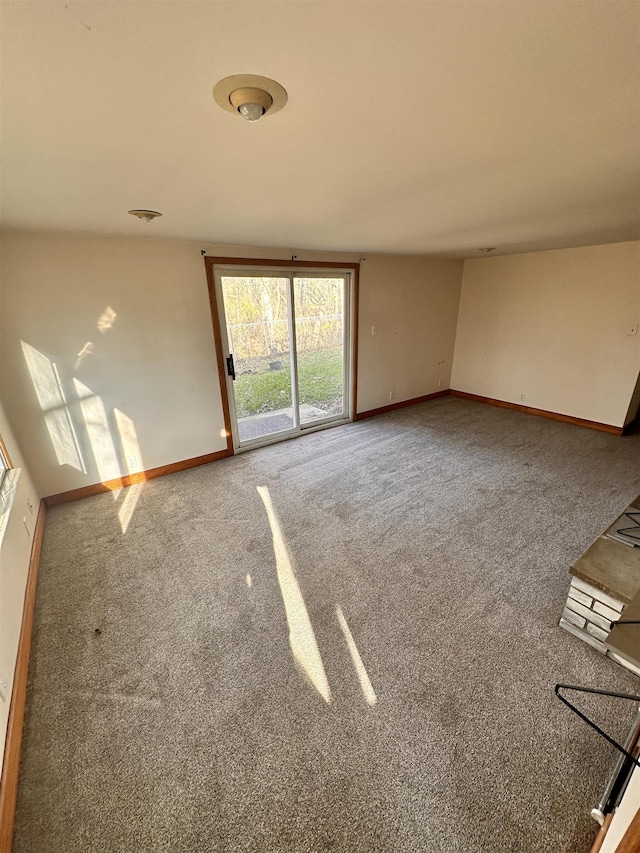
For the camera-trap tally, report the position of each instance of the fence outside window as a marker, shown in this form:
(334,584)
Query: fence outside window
(262,339)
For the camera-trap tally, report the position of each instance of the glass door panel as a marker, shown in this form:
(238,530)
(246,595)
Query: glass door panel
(257,312)
(320,346)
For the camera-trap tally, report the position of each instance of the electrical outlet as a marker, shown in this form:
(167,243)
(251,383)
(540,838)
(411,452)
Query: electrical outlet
(392,394)
(523,397)
(439,383)
(4,689)
(131,462)
(374,330)
(30,505)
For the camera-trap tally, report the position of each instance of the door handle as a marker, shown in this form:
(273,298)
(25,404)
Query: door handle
(231,370)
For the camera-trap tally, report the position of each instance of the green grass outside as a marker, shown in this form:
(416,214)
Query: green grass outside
(319,383)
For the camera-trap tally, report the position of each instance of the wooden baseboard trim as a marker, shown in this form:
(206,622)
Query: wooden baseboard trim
(602,832)
(360,416)
(131,479)
(631,839)
(543,413)
(13,743)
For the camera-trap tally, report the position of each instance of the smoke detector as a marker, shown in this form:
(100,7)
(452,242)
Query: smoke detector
(146,215)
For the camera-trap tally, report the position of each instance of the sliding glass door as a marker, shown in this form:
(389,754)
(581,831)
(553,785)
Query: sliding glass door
(257,312)
(286,341)
(320,346)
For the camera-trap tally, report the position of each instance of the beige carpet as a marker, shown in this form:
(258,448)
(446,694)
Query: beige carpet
(345,642)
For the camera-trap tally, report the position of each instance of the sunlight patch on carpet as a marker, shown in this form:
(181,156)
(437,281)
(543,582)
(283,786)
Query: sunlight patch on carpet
(302,638)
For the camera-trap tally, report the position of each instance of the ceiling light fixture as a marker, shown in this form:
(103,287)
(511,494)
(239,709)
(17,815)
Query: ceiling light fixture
(249,95)
(147,215)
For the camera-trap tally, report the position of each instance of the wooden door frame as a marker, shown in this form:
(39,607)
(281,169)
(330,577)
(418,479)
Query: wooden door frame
(213,261)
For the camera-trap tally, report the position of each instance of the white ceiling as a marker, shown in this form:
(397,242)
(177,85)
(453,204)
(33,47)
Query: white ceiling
(431,127)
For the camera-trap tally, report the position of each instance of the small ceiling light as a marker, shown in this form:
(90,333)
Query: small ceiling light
(486,251)
(147,215)
(249,95)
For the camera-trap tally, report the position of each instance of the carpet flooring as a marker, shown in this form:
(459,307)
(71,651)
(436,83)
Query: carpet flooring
(345,642)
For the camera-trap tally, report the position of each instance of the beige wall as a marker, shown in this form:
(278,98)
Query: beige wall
(414,304)
(148,394)
(15,551)
(553,326)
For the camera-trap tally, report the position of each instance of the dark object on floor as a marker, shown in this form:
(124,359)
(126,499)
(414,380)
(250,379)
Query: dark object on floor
(589,722)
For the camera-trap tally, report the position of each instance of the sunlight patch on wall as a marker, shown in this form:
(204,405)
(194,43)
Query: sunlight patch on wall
(106,320)
(53,403)
(133,463)
(301,635)
(363,677)
(128,442)
(95,418)
(86,350)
